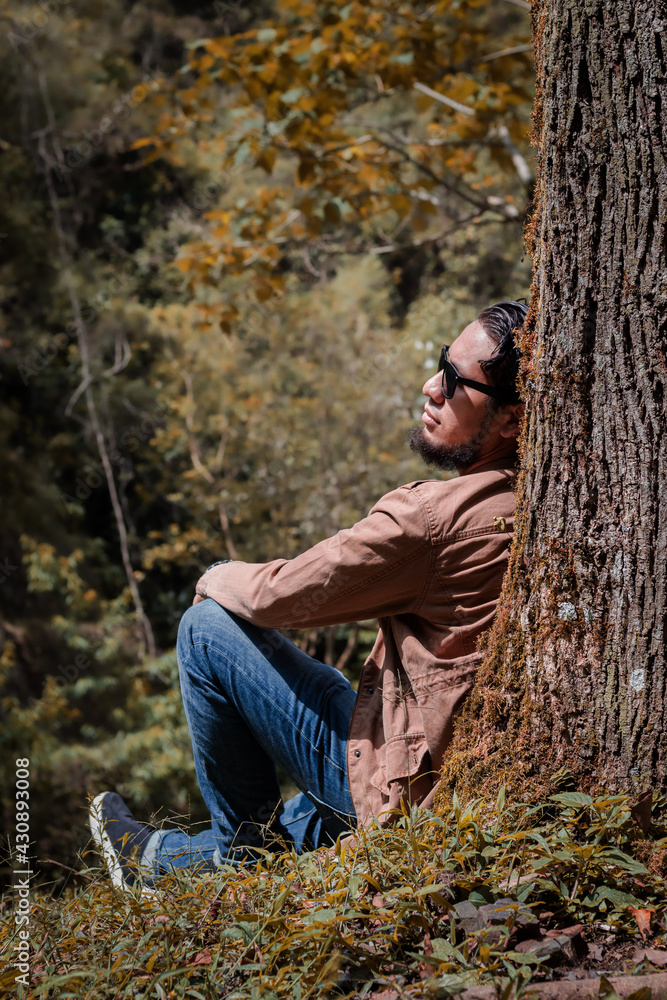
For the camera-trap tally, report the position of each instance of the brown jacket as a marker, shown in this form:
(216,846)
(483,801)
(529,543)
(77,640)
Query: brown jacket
(428,562)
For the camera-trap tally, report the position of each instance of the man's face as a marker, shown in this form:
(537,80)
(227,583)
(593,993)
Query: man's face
(465,428)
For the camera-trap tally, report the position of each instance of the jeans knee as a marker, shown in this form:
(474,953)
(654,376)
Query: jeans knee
(197,625)
(208,611)
(208,621)
(185,627)
(203,622)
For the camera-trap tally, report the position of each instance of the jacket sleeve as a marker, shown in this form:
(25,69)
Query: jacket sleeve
(377,567)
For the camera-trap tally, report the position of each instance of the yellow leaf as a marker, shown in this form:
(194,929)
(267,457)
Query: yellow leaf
(266,159)
(140,143)
(305,169)
(332,212)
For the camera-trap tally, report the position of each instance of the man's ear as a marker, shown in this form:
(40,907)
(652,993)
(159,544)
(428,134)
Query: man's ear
(511,419)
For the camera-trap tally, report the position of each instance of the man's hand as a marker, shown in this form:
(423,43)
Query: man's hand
(208,581)
(201,590)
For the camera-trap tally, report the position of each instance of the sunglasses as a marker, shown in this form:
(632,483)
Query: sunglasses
(451,378)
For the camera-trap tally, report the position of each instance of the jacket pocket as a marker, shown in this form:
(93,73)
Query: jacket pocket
(404,755)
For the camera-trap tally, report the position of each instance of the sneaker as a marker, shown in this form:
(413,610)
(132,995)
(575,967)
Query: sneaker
(120,840)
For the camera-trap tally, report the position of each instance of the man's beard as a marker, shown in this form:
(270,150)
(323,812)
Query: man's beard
(451,457)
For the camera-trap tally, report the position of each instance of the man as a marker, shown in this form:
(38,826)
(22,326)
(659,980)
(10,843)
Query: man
(427,561)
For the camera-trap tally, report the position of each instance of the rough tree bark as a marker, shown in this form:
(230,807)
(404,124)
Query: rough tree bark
(575,674)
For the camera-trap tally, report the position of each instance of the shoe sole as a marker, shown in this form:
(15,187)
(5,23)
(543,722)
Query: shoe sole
(106,849)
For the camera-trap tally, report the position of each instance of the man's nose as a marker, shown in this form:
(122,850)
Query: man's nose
(433,387)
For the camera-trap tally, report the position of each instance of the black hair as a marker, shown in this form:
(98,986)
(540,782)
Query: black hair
(502,321)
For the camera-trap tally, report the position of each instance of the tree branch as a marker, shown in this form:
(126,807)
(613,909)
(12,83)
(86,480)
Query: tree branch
(522,168)
(193,446)
(121,361)
(514,50)
(197,463)
(84,352)
(490,203)
(443,100)
(290,218)
(350,649)
(413,244)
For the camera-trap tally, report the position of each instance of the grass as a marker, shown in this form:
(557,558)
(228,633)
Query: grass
(369,916)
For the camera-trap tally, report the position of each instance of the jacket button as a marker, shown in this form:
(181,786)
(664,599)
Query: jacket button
(357,753)
(369,690)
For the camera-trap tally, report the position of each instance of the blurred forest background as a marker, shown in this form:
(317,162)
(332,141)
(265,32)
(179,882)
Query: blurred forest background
(233,238)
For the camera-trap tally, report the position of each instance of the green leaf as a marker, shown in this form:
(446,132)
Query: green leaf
(276,906)
(442,948)
(537,866)
(539,839)
(480,896)
(607,991)
(451,985)
(435,892)
(617,857)
(293,95)
(241,154)
(404,58)
(518,959)
(615,896)
(572,799)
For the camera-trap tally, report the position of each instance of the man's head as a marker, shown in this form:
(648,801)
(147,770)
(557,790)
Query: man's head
(463,422)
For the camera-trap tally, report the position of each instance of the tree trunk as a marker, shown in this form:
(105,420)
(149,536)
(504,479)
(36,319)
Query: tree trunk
(575,674)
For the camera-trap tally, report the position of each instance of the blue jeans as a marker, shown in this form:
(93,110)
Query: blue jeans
(253,700)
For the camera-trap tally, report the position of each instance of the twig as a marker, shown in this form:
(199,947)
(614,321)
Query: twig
(347,145)
(197,463)
(224,524)
(350,647)
(82,339)
(443,100)
(75,871)
(413,244)
(193,446)
(220,453)
(287,221)
(490,203)
(514,50)
(119,364)
(522,168)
